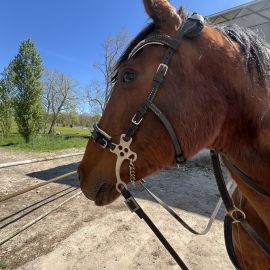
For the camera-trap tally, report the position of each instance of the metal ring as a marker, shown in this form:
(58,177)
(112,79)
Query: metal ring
(236,214)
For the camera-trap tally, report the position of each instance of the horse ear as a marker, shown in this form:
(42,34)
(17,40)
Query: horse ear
(183,13)
(163,13)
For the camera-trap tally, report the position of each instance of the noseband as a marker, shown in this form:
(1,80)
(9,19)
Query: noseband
(191,28)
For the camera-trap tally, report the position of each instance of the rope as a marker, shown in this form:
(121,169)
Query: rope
(12,195)
(19,230)
(29,161)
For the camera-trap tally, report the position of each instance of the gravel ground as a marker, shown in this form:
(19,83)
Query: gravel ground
(80,235)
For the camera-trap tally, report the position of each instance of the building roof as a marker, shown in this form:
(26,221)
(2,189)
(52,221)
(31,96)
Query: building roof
(253,14)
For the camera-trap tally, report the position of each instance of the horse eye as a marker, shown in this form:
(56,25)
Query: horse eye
(128,76)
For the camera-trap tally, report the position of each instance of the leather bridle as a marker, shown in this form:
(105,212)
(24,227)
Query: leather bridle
(190,29)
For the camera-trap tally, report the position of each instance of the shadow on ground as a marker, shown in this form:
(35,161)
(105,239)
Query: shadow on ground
(58,171)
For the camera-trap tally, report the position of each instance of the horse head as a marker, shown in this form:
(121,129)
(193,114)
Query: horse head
(195,97)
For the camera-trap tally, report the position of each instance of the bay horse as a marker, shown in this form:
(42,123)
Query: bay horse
(216,95)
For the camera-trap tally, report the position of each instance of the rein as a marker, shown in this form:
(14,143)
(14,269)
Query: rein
(191,28)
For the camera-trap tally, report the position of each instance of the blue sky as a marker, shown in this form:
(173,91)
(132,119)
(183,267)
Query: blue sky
(68,34)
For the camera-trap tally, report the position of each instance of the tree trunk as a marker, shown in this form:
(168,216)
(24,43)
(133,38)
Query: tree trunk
(52,124)
(26,138)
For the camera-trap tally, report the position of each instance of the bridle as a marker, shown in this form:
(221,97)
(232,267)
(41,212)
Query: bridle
(190,29)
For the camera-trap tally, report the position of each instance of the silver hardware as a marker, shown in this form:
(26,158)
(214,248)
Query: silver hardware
(105,144)
(132,173)
(163,66)
(134,121)
(123,152)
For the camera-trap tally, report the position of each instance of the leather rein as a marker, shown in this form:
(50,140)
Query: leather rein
(190,29)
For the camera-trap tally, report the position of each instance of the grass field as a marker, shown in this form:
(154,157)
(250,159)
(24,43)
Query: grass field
(68,138)
(72,131)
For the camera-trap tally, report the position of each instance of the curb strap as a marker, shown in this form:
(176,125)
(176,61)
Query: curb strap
(234,214)
(134,207)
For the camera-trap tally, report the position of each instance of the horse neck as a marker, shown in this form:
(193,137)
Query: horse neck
(245,136)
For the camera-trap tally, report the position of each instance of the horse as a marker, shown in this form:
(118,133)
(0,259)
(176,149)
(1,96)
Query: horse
(216,95)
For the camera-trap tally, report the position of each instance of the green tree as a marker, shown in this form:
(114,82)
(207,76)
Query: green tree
(74,118)
(5,105)
(25,72)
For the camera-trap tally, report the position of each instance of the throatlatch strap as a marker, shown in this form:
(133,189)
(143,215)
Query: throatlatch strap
(179,154)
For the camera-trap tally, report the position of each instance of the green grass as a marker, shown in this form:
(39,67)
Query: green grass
(75,131)
(44,142)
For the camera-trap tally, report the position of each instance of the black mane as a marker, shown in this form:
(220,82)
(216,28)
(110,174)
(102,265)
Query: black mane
(255,49)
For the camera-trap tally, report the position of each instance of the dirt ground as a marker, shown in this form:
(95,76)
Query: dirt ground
(80,235)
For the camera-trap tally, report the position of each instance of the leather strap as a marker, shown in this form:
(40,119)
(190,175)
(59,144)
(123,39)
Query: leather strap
(179,154)
(253,234)
(163,40)
(229,242)
(136,208)
(246,179)
(220,181)
(179,219)
(191,28)
(231,207)
(102,138)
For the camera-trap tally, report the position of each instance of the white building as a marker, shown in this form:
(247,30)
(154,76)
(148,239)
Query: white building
(255,15)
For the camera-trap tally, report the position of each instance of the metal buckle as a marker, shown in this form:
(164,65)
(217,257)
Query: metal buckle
(105,144)
(164,67)
(132,205)
(233,214)
(134,121)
